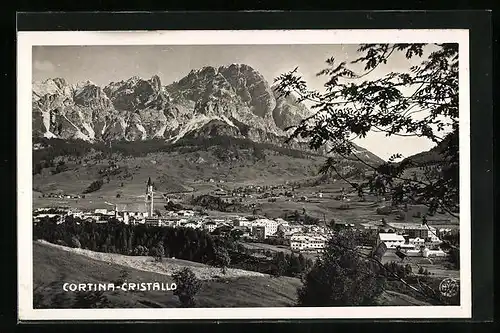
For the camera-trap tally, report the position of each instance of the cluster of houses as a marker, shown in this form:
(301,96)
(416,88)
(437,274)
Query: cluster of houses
(411,247)
(62,196)
(308,242)
(262,192)
(414,239)
(253,227)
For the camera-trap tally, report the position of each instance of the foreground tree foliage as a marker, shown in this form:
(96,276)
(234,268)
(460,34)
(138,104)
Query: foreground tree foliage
(340,277)
(421,101)
(187,287)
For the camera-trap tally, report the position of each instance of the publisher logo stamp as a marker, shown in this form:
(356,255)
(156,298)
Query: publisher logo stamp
(449,287)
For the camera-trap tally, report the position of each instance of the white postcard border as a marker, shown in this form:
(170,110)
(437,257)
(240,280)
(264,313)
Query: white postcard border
(230,37)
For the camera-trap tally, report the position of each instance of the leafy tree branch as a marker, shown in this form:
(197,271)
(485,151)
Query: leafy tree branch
(421,101)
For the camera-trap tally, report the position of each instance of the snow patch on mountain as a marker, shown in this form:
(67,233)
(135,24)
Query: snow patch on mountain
(90,130)
(194,124)
(49,135)
(142,130)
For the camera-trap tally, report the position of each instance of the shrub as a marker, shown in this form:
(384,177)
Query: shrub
(384,210)
(158,252)
(140,251)
(94,186)
(94,299)
(344,206)
(124,276)
(60,167)
(187,287)
(75,242)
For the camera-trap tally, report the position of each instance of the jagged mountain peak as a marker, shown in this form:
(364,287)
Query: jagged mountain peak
(60,82)
(134,79)
(85,83)
(50,89)
(233,100)
(236,92)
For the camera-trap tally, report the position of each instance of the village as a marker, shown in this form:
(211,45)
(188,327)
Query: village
(412,239)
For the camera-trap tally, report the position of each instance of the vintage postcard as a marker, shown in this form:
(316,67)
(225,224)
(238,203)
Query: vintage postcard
(244,174)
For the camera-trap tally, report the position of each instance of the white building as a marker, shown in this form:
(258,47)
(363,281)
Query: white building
(390,240)
(433,236)
(210,226)
(433,253)
(153,221)
(282,222)
(185,213)
(270,226)
(414,253)
(242,222)
(218,221)
(369,226)
(47,215)
(416,242)
(137,215)
(289,230)
(307,242)
(192,225)
(124,217)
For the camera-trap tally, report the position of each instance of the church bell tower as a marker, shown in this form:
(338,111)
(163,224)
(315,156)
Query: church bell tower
(149,198)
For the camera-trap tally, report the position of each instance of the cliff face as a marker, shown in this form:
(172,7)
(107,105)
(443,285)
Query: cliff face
(236,98)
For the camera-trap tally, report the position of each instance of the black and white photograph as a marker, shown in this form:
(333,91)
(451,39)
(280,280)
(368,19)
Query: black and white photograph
(251,174)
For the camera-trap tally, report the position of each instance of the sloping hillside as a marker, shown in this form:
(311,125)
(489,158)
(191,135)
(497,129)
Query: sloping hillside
(53,266)
(124,167)
(147,264)
(70,167)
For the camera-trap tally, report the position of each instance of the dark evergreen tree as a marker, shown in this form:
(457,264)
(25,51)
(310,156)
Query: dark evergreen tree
(341,277)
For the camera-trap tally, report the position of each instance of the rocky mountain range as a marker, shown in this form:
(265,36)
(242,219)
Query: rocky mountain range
(234,100)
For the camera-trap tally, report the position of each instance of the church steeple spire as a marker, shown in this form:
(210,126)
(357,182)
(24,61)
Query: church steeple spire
(149,197)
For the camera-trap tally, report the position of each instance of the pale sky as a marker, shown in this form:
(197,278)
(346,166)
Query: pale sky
(105,64)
